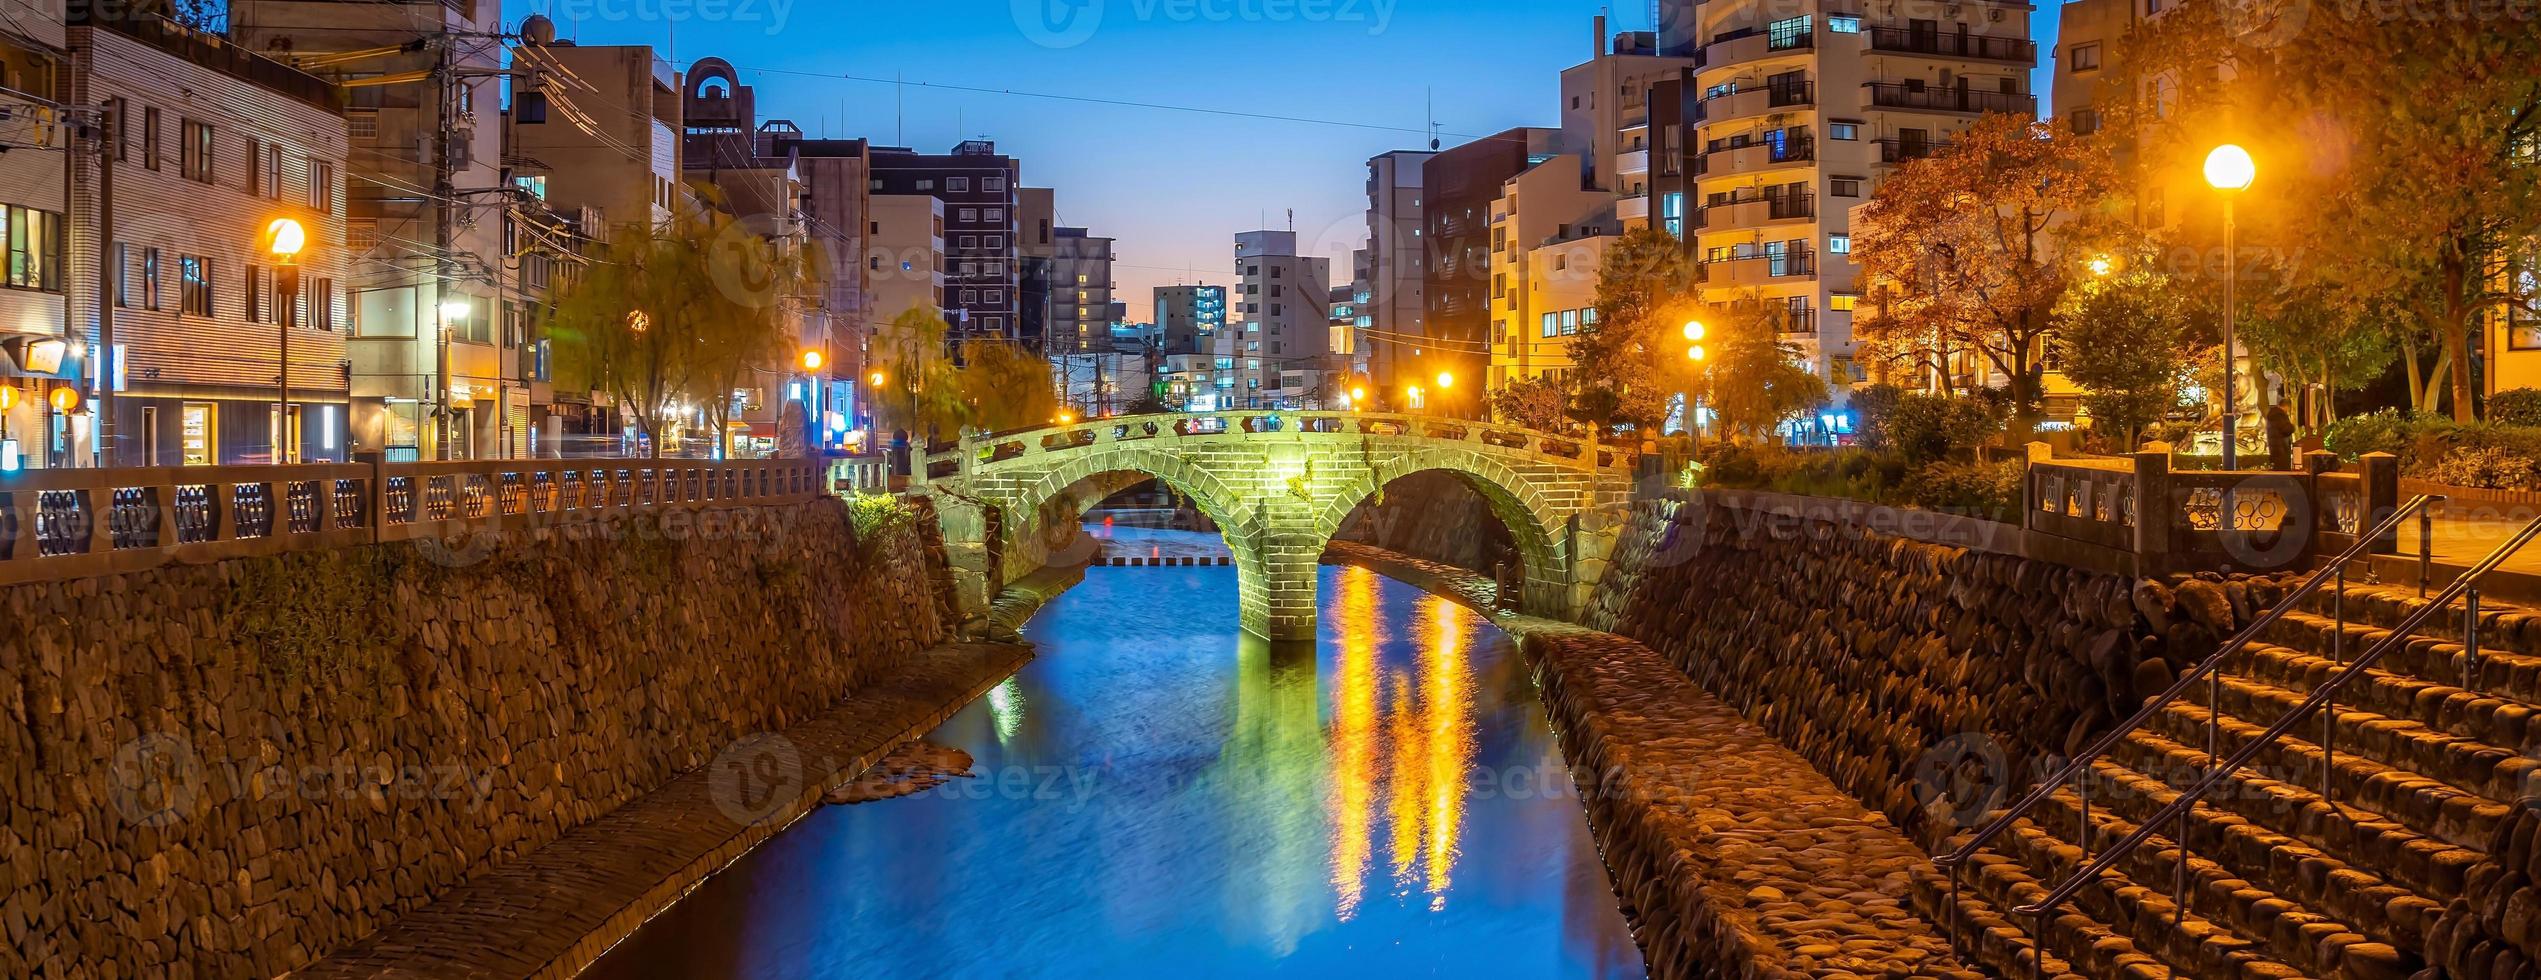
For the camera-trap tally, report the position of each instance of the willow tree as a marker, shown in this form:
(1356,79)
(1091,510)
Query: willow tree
(1646,290)
(655,320)
(921,391)
(1005,386)
(1971,248)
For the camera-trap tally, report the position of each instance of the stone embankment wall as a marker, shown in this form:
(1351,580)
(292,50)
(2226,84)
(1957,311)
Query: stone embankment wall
(1873,655)
(231,769)
(1433,515)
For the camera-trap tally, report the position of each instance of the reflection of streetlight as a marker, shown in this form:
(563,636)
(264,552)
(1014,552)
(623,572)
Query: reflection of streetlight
(1067,418)
(2230,170)
(285,238)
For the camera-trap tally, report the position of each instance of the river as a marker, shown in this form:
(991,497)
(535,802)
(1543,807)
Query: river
(1159,794)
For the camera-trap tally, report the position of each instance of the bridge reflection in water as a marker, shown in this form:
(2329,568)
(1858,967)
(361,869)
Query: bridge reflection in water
(1225,808)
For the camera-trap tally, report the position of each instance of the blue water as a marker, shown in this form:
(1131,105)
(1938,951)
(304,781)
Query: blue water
(1160,795)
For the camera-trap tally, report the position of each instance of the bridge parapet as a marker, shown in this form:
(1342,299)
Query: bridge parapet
(1000,447)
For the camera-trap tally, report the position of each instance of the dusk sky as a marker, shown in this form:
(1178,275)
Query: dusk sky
(1172,186)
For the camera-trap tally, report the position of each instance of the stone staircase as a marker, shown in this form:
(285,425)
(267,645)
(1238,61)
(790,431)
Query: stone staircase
(2388,876)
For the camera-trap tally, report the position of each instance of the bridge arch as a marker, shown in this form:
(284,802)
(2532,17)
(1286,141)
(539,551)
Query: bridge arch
(1279,485)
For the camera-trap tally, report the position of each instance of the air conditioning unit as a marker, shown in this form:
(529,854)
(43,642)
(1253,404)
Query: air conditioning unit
(1995,15)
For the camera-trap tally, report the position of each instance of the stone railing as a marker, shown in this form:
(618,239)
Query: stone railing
(73,523)
(999,447)
(2243,520)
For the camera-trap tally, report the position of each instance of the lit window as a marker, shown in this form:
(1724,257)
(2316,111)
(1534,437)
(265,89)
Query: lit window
(1839,244)
(1844,24)
(1844,131)
(1842,302)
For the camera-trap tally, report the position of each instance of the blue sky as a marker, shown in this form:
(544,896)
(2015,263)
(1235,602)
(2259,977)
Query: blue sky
(1173,186)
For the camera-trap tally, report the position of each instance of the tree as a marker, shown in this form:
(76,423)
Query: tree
(1968,249)
(1536,403)
(655,320)
(2311,339)
(2121,340)
(1752,379)
(1645,288)
(921,388)
(750,335)
(1005,386)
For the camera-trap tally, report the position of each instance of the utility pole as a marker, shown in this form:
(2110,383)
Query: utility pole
(109,271)
(443,189)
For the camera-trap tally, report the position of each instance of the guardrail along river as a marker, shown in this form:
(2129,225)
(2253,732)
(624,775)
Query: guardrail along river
(1159,795)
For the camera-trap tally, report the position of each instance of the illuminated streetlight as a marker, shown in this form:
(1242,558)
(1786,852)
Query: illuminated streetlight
(1695,353)
(812,360)
(1358,395)
(458,309)
(286,239)
(1067,418)
(1694,330)
(2230,171)
(1446,380)
(2102,266)
(876,378)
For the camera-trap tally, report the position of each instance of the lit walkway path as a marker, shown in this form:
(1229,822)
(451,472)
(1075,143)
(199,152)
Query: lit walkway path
(2460,542)
(1734,857)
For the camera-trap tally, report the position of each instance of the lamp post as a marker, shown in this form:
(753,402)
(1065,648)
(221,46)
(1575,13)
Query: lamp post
(285,238)
(1694,354)
(1446,383)
(2230,171)
(452,311)
(812,359)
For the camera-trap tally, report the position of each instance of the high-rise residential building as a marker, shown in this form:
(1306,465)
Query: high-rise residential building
(906,263)
(1605,115)
(837,227)
(207,151)
(1282,298)
(1396,306)
(434,374)
(1460,186)
(1081,307)
(979,187)
(1792,119)
(1547,205)
(630,172)
(1036,247)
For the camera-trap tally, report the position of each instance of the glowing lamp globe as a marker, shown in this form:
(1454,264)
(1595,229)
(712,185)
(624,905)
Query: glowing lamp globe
(2229,168)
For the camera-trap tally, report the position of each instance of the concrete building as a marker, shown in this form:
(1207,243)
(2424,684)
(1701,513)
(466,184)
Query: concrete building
(1792,119)
(630,171)
(979,187)
(433,374)
(1561,299)
(1396,307)
(40,349)
(1081,307)
(906,263)
(1545,206)
(1461,185)
(1036,248)
(1190,318)
(1605,112)
(837,227)
(1282,297)
(226,144)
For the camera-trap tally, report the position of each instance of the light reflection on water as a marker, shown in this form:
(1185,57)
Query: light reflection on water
(1162,796)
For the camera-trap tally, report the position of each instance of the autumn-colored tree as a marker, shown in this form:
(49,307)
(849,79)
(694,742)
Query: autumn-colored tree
(1971,249)
(1536,403)
(1646,288)
(657,318)
(1006,386)
(1749,376)
(921,391)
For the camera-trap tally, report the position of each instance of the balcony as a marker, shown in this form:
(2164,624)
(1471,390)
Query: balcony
(1797,323)
(1756,211)
(1760,269)
(1894,150)
(1895,95)
(1965,47)
(1633,162)
(1726,160)
(1632,208)
(1751,44)
(1759,101)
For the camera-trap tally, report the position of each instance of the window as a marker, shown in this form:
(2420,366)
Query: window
(993,185)
(927,184)
(1844,131)
(35,249)
(361,236)
(1841,302)
(264,169)
(957,185)
(259,294)
(1672,213)
(1788,33)
(1844,23)
(970,214)
(2084,57)
(320,292)
(996,214)
(197,162)
(150,137)
(1551,324)
(1840,244)
(2086,121)
(119,116)
(1570,322)
(1844,187)
(123,275)
(530,109)
(195,289)
(150,278)
(322,186)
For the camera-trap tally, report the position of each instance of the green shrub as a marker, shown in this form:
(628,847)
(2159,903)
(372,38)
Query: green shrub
(1926,427)
(2515,406)
(2486,468)
(1987,490)
(2173,434)
(1871,408)
(2390,430)
(876,517)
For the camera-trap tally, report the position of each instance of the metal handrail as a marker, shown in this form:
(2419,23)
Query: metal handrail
(2466,583)
(2082,762)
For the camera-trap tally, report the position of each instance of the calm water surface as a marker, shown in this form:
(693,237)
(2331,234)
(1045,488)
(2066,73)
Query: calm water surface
(1160,795)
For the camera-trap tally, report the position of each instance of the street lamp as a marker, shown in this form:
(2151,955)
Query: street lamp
(811,359)
(1695,331)
(2230,170)
(452,311)
(286,239)
(2101,266)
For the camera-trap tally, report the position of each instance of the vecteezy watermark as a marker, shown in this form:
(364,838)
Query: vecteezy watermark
(750,780)
(159,779)
(774,13)
(1068,23)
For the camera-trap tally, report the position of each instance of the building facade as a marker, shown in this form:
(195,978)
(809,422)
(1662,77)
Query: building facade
(979,187)
(906,263)
(1282,297)
(1396,307)
(1460,185)
(1545,207)
(1081,307)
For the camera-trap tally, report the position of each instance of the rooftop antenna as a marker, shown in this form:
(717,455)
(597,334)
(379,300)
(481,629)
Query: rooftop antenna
(1292,221)
(899,110)
(1429,111)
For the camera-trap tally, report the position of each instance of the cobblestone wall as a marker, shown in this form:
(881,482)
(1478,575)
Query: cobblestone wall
(228,770)
(1882,659)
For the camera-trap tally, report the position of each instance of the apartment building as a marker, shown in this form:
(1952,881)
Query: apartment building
(1790,120)
(1190,318)
(1605,110)
(208,147)
(1036,247)
(979,187)
(1081,307)
(40,349)
(906,263)
(1396,307)
(1548,206)
(433,374)
(1460,185)
(1285,341)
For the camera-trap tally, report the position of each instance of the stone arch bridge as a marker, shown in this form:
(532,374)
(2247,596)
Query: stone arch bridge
(1279,485)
